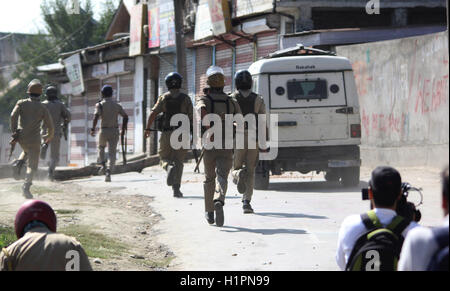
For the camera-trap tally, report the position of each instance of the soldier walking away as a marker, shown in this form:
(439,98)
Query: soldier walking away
(108,110)
(217,162)
(245,160)
(61,118)
(26,119)
(170,104)
(39,247)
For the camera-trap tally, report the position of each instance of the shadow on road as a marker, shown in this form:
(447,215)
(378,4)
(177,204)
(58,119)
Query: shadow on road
(234,229)
(320,187)
(290,215)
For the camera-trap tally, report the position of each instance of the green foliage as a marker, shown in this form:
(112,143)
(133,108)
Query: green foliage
(66,32)
(96,245)
(7,236)
(108,12)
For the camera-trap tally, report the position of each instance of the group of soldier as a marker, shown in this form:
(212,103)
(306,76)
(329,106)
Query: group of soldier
(218,161)
(36,125)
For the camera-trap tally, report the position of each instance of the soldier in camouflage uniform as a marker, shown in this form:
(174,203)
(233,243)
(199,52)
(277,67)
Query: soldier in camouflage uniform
(170,104)
(246,159)
(108,110)
(26,119)
(61,117)
(217,161)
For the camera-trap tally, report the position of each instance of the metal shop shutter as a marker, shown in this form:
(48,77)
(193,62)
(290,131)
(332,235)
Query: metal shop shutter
(224,59)
(203,62)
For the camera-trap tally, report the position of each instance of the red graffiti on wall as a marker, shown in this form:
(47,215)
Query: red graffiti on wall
(431,95)
(361,77)
(380,122)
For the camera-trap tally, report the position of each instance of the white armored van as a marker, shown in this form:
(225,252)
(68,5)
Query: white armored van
(314,94)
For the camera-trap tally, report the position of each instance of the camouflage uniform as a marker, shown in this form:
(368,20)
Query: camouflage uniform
(217,162)
(109,111)
(27,116)
(247,159)
(60,115)
(42,250)
(172,160)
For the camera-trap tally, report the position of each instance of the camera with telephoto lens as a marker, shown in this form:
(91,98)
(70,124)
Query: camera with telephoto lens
(405,209)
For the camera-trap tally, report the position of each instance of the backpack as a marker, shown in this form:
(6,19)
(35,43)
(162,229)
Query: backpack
(439,261)
(379,248)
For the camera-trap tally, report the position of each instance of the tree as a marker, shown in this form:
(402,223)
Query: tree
(108,12)
(65,32)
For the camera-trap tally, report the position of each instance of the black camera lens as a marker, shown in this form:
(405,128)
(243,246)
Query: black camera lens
(365,194)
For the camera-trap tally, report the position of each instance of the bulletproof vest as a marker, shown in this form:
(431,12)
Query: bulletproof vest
(173,107)
(247,104)
(215,108)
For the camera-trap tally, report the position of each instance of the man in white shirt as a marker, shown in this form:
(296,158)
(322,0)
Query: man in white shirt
(421,245)
(385,190)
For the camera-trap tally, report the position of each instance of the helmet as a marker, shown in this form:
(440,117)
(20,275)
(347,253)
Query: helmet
(174,81)
(51,92)
(34,210)
(107,91)
(243,80)
(214,70)
(216,77)
(35,87)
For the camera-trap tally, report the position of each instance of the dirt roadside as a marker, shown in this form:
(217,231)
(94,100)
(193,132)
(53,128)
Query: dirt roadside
(116,231)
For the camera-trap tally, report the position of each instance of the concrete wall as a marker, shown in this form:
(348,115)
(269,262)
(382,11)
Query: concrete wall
(403,89)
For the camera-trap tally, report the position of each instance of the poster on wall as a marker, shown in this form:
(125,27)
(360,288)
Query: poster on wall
(138,20)
(74,72)
(249,7)
(167,35)
(220,16)
(153,25)
(213,18)
(203,24)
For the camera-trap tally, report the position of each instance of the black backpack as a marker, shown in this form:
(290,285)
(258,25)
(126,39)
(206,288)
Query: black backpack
(379,248)
(439,262)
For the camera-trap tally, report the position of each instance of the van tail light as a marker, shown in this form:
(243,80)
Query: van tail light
(355,130)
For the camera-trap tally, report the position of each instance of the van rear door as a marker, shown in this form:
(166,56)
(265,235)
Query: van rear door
(310,106)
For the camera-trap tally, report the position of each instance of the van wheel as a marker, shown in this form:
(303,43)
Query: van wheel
(262,180)
(351,177)
(332,176)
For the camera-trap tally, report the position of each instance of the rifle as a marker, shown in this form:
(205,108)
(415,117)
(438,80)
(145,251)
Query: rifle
(197,167)
(65,130)
(124,140)
(13,142)
(44,148)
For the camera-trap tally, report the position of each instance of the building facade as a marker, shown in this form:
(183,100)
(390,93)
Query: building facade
(141,51)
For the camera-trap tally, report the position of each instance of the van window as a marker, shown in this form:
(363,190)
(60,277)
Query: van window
(307,90)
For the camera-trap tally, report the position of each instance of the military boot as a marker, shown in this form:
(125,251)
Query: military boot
(171,171)
(17,169)
(210,217)
(108,176)
(103,169)
(51,174)
(220,217)
(176,191)
(26,191)
(247,207)
(240,179)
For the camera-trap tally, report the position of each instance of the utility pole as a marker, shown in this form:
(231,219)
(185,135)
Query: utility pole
(180,41)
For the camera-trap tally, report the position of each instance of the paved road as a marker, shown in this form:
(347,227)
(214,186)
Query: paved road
(295,226)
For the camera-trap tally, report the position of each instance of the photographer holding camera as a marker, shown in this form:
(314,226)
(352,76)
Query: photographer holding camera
(372,241)
(426,249)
